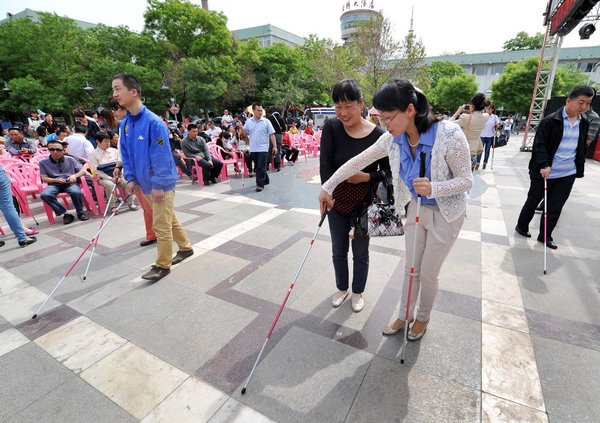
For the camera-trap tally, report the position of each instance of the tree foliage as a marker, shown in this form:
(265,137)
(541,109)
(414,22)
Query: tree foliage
(452,91)
(524,41)
(187,54)
(431,75)
(514,88)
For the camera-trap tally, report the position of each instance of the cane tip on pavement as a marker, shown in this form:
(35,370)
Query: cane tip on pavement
(243,391)
(34,316)
(401,361)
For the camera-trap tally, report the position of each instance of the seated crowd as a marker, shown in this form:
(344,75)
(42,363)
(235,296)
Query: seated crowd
(88,153)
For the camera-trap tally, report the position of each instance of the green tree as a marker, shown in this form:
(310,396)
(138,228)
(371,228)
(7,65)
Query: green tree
(524,41)
(514,88)
(197,41)
(328,63)
(453,91)
(380,53)
(436,71)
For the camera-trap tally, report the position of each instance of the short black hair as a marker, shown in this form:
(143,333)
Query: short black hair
(80,129)
(61,129)
(15,128)
(101,136)
(192,126)
(582,90)
(256,104)
(346,90)
(130,81)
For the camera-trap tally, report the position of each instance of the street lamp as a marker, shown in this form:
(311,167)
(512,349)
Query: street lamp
(6,89)
(88,87)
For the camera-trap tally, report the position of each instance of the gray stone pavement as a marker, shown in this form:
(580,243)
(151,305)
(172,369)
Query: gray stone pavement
(505,343)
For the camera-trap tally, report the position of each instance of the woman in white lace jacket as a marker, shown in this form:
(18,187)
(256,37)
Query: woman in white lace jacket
(448,178)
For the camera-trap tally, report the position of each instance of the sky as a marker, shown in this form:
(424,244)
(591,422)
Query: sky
(472,26)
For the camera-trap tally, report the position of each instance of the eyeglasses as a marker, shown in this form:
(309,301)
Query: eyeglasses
(386,121)
(55,149)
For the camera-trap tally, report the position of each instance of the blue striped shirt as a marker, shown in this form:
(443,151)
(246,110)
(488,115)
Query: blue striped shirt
(563,163)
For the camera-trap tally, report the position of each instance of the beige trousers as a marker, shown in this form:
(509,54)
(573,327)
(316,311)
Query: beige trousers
(167,229)
(435,238)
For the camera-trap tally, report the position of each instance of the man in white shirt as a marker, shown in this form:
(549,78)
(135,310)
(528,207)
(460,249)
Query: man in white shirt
(103,161)
(226,119)
(79,146)
(213,130)
(261,132)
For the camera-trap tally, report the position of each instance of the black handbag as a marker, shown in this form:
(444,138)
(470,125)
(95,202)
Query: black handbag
(379,218)
(500,141)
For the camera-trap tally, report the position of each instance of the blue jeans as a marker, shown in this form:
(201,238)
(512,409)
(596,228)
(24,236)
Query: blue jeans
(260,167)
(8,208)
(339,226)
(487,144)
(49,196)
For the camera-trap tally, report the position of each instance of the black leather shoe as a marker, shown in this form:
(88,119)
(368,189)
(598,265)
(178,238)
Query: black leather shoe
(68,218)
(147,242)
(526,234)
(28,241)
(550,244)
(181,256)
(82,217)
(156,273)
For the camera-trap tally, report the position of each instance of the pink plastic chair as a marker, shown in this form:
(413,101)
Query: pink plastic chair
(196,171)
(217,152)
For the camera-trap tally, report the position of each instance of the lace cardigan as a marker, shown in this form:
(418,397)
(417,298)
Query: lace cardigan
(451,175)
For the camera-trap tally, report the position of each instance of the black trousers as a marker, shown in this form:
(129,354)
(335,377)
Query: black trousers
(559,190)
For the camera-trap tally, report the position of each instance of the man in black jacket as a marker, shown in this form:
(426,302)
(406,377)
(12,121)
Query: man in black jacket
(280,127)
(558,156)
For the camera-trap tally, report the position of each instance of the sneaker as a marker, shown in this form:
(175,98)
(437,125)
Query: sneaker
(338,298)
(181,256)
(133,207)
(27,241)
(82,217)
(357,302)
(259,189)
(68,218)
(156,273)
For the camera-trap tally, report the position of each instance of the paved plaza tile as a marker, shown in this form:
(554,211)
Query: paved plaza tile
(505,342)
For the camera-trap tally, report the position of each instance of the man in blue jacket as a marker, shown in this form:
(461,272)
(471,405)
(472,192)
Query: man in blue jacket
(148,163)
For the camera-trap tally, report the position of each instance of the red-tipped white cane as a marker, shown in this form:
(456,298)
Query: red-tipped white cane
(412,264)
(312,241)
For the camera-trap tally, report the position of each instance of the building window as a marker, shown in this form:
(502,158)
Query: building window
(480,70)
(498,69)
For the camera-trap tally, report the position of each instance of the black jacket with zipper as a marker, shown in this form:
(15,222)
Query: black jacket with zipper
(547,139)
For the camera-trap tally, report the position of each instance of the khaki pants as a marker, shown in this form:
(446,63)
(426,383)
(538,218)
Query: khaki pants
(435,238)
(167,229)
(108,185)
